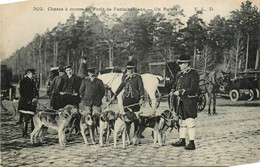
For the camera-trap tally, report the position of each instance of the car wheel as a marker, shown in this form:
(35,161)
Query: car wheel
(251,95)
(257,94)
(234,95)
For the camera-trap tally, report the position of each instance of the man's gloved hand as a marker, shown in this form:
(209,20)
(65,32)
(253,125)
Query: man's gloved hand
(176,93)
(171,92)
(34,100)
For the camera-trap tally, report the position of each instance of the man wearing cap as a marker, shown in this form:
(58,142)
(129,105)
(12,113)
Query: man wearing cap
(28,100)
(56,88)
(92,91)
(133,96)
(133,88)
(70,88)
(185,88)
(132,60)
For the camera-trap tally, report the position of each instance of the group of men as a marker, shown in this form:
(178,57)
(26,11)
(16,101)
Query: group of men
(68,88)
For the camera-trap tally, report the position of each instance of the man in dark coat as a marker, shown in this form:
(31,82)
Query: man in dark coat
(133,88)
(92,91)
(186,88)
(28,100)
(70,88)
(56,88)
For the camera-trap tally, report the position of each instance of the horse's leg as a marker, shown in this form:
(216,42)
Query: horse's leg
(214,102)
(151,92)
(120,102)
(209,104)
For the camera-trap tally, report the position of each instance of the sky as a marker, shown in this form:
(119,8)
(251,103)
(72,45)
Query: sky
(20,21)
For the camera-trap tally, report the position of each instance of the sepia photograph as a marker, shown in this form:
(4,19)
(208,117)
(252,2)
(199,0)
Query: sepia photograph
(130,83)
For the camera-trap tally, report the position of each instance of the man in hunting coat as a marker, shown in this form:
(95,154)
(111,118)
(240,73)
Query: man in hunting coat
(28,100)
(92,91)
(70,89)
(56,88)
(186,88)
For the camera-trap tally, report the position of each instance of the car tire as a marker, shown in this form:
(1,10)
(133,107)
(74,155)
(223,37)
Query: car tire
(234,95)
(251,95)
(257,93)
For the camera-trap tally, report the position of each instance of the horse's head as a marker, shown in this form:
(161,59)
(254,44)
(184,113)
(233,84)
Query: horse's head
(108,78)
(226,76)
(220,77)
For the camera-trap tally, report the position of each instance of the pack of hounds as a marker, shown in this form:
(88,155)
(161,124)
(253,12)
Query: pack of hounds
(107,121)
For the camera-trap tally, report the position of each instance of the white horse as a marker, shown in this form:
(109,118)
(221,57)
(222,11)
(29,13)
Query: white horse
(150,81)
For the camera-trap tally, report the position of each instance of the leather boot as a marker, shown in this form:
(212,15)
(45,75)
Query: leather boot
(20,119)
(190,146)
(179,143)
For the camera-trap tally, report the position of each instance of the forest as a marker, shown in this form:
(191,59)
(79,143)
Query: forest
(106,39)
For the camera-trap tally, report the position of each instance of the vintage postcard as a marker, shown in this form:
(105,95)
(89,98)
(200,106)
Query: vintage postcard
(179,78)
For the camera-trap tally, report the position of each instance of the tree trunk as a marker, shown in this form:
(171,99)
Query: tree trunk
(38,65)
(170,53)
(257,59)
(68,58)
(100,65)
(57,46)
(110,56)
(194,56)
(29,58)
(55,58)
(45,63)
(237,53)
(34,61)
(40,55)
(54,54)
(247,48)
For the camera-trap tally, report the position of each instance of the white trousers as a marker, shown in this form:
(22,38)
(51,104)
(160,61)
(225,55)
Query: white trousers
(187,124)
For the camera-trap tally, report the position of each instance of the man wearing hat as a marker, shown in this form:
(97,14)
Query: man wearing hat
(70,88)
(28,100)
(186,88)
(132,60)
(56,88)
(133,96)
(92,91)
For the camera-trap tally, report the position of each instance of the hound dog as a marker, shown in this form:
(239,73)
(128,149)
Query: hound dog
(106,124)
(123,125)
(86,122)
(55,120)
(157,123)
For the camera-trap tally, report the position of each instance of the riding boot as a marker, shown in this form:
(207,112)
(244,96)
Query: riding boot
(25,128)
(180,143)
(20,119)
(190,146)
